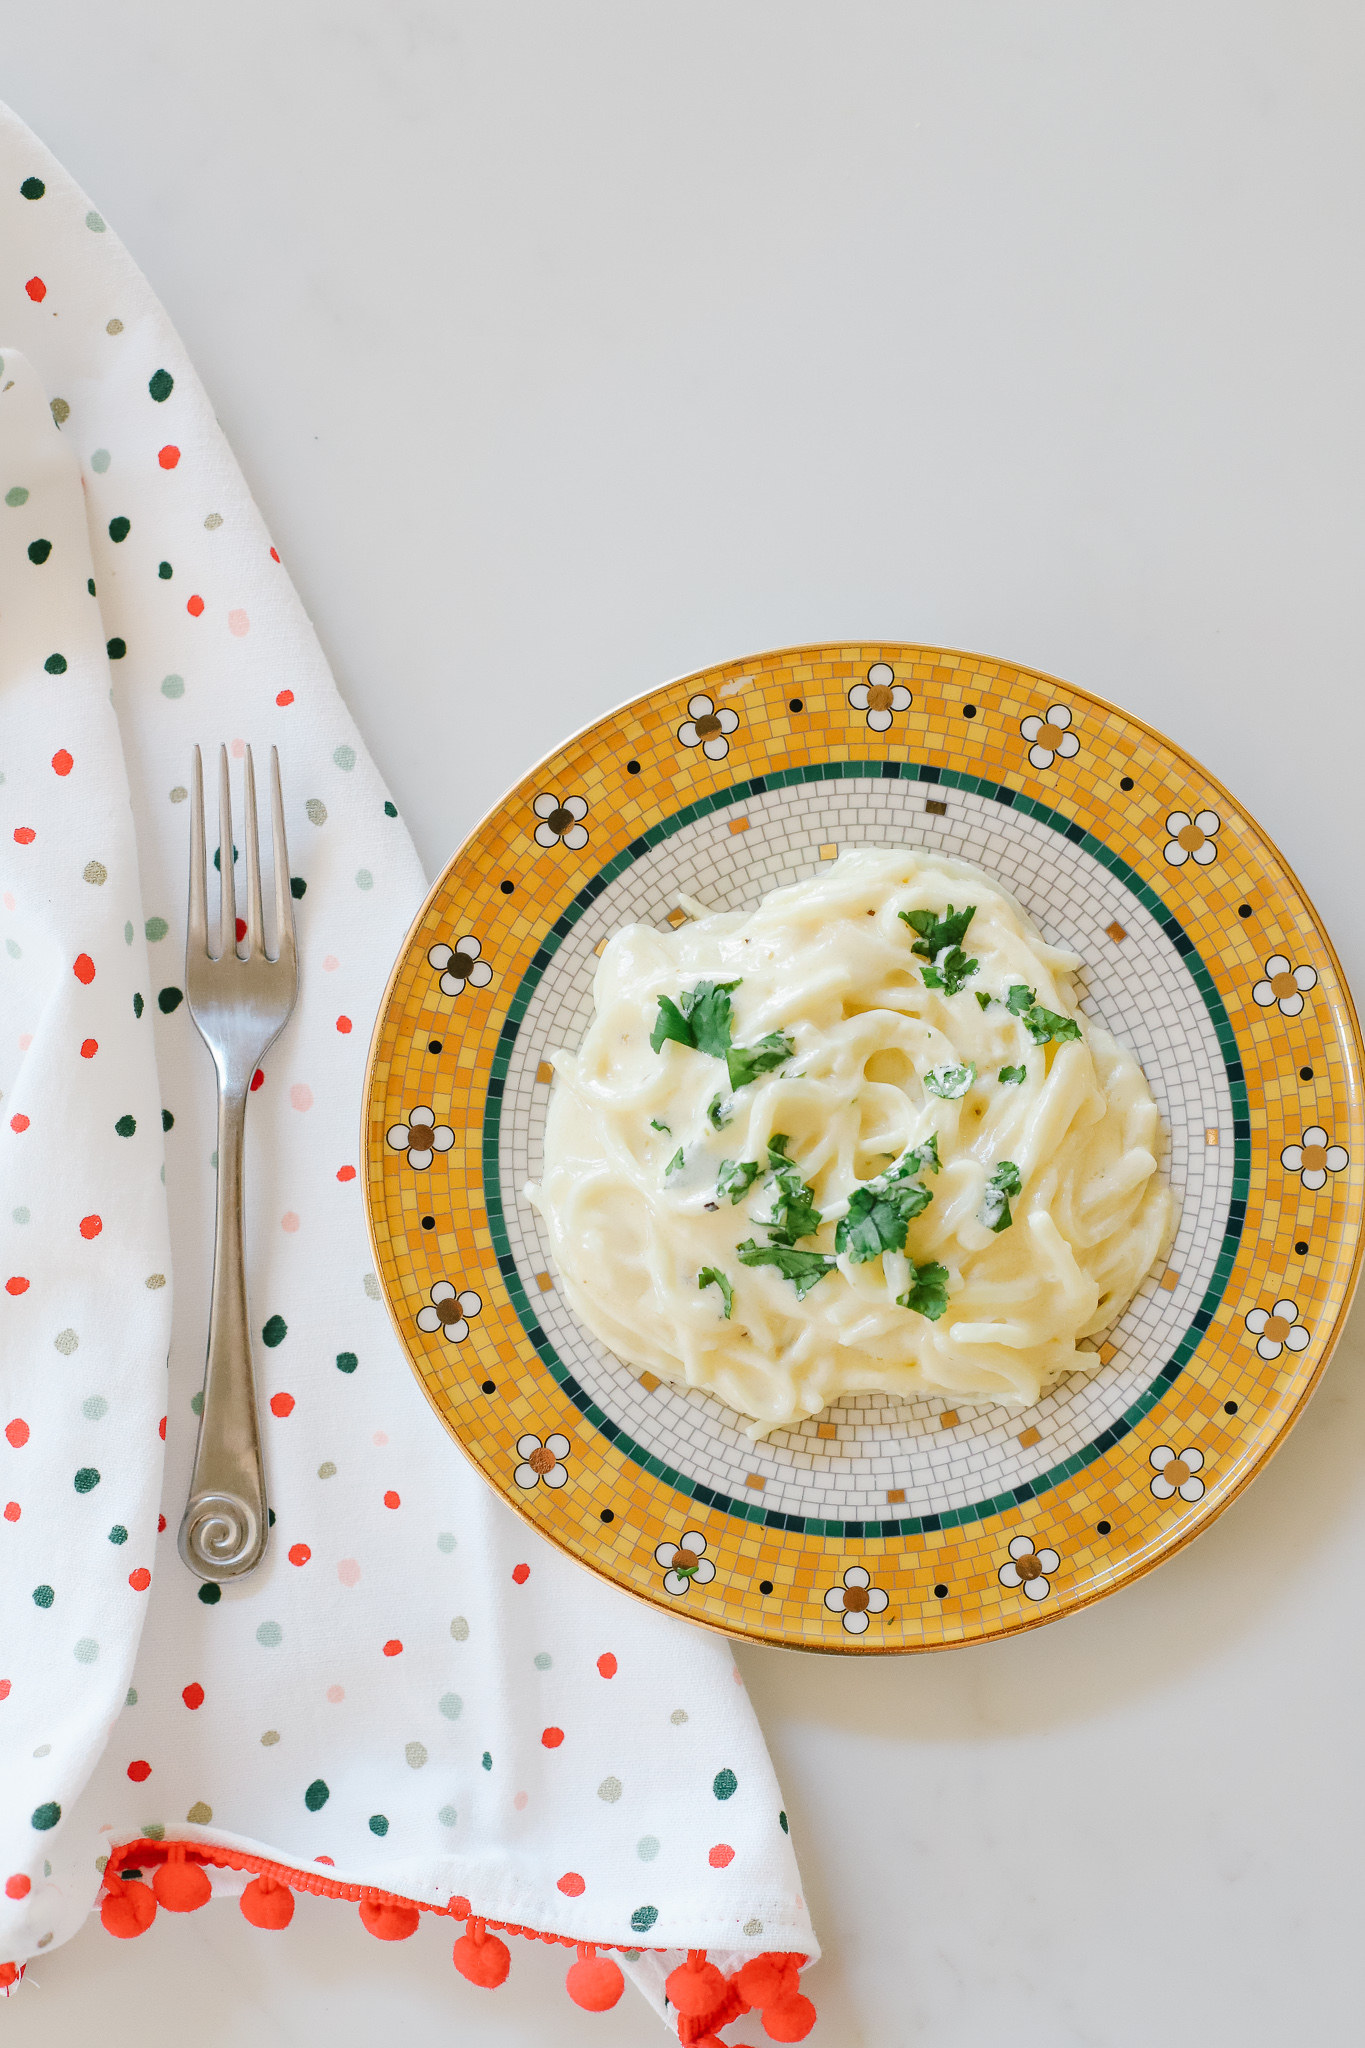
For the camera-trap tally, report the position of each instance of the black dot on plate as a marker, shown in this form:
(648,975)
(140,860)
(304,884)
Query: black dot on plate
(434,1045)
(164,571)
(508,887)
(116,648)
(940,1592)
(1244,910)
(607,1515)
(1126,782)
(796,704)
(632,767)
(969,711)
(1229,1407)
(271,1513)
(428,1223)
(1305,1073)
(1302,1246)
(489,1387)
(1104,1527)
(210,1594)
(765,1587)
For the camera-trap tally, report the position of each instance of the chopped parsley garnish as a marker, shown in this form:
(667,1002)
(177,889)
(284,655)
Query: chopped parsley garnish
(1008,1074)
(795,1212)
(804,1269)
(1043,1025)
(921,1158)
(984,1000)
(736,1178)
(746,1062)
(675,1162)
(700,1019)
(935,932)
(877,1218)
(655,1125)
(1019,999)
(995,1208)
(718,1122)
(950,1082)
(951,971)
(711,1276)
(928,1293)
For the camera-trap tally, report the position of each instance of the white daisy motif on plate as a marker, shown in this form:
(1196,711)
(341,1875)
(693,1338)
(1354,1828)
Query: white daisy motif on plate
(1191,838)
(1278,1329)
(1177,1472)
(705,727)
(541,1463)
(421,1137)
(1314,1157)
(1028,1570)
(561,821)
(684,1562)
(857,1600)
(459,966)
(451,1311)
(1050,739)
(1284,985)
(881,697)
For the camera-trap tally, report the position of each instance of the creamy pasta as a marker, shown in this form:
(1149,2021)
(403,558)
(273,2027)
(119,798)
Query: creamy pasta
(860,1138)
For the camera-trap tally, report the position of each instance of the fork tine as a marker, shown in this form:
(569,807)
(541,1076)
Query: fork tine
(226,875)
(197,923)
(284,894)
(255,929)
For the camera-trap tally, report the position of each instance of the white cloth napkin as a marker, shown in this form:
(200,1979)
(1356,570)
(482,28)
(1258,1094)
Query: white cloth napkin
(414,1691)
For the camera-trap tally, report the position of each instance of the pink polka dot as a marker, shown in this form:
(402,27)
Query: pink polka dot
(18,1886)
(18,1123)
(520,1801)
(168,456)
(330,964)
(289,1221)
(572,1885)
(520,1574)
(380,1438)
(345,1173)
(606,1664)
(348,1571)
(238,749)
(9,901)
(36,290)
(195,607)
(281,1405)
(25,1037)
(239,624)
(551,1737)
(17,1433)
(720,1856)
(285,697)
(336,1694)
(392,1499)
(299,1553)
(301,1095)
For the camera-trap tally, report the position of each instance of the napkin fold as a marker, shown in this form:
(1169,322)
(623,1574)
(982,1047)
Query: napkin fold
(414,1703)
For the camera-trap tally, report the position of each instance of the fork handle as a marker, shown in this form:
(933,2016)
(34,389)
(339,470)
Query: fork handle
(226,1522)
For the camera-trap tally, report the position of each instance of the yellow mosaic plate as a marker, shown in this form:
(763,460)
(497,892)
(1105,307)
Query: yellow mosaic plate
(883,1524)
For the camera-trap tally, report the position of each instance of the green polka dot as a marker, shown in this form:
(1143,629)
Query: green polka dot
(169,999)
(128,933)
(38,551)
(94,223)
(125,1126)
(154,1830)
(119,529)
(118,1534)
(22,1216)
(33,188)
(138,1005)
(86,1480)
(43,1596)
(345,758)
(316,809)
(782,1823)
(14,949)
(90,585)
(55,664)
(210,1594)
(200,1814)
(390,810)
(173,686)
(86,1650)
(445,1541)
(131,1700)
(16,495)
(100,461)
(542,1660)
(161,384)
(347,1361)
(275,1331)
(447,1816)
(379,1824)
(725,1784)
(364,879)
(94,1408)
(643,1918)
(451,1705)
(647,1848)
(116,648)
(298,888)
(197,1403)
(167,1120)
(47,1815)
(317,1795)
(60,410)
(327,1470)
(164,571)
(488,1760)
(270,1635)
(156,928)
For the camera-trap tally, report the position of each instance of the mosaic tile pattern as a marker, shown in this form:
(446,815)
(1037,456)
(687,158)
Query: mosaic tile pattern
(785,769)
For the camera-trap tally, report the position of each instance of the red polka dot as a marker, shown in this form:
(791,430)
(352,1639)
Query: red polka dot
(18,1886)
(720,1856)
(161,1525)
(392,1500)
(329,1860)
(345,1173)
(393,1648)
(168,456)
(62,762)
(24,835)
(161,1429)
(12,1510)
(606,1664)
(572,1885)
(36,290)
(17,1432)
(139,1772)
(551,1737)
(520,1574)
(91,1226)
(299,1553)
(83,967)
(343,1023)
(18,1123)
(140,1579)
(286,696)
(195,606)
(274,554)
(257,1079)
(16,1284)
(241,929)
(282,1404)
(4,1688)
(193,1696)
(89,1047)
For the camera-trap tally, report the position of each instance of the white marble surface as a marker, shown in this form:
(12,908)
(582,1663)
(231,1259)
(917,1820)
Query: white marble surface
(569,348)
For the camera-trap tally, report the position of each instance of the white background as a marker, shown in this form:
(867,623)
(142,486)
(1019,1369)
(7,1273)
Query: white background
(569,347)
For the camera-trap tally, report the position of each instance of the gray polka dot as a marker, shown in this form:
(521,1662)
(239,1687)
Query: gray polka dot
(345,758)
(459,1628)
(753,1927)
(445,1541)
(99,461)
(647,1848)
(415,1754)
(451,1705)
(372,1286)
(93,1407)
(327,1470)
(86,1650)
(95,871)
(610,1789)
(317,810)
(677,1717)
(364,879)
(43,1749)
(447,1816)
(179,793)
(270,1635)
(214,520)
(542,1660)
(173,686)
(66,1342)
(22,1216)
(155,1280)
(270,1738)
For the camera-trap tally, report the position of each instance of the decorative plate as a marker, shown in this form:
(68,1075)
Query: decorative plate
(882,1524)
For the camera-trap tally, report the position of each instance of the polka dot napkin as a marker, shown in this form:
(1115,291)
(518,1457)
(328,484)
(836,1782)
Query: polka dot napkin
(413,1691)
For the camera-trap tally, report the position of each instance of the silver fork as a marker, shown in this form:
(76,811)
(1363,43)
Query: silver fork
(240,1003)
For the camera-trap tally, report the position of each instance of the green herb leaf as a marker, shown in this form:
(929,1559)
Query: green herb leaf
(711,1276)
(951,971)
(737,1176)
(746,1062)
(701,1019)
(675,1162)
(950,1083)
(655,1125)
(877,1219)
(1008,1074)
(1019,999)
(1043,1025)
(995,1208)
(670,1023)
(928,1294)
(936,932)
(718,1122)
(984,1000)
(794,1210)
(804,1269)
(922,1158)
